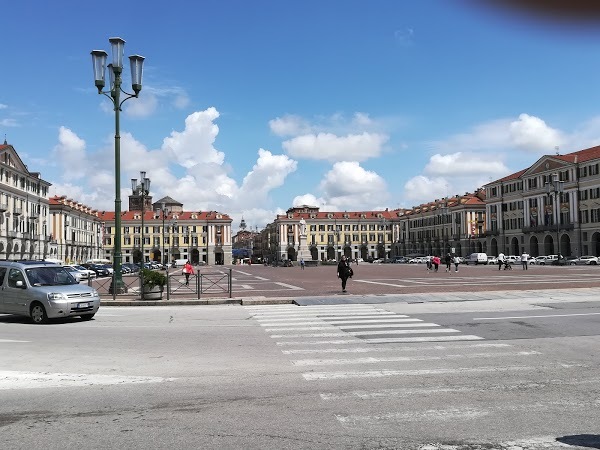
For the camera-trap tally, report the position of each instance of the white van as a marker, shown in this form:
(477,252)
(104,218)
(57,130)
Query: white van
(180,262)
(477,258)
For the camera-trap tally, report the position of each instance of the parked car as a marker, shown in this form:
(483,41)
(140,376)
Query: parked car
(401,260)
(100,270)
(77,274)
(538,260)
(585,260)
(492,260)
(89,273)
(512,259)
(42,291)
(548,260)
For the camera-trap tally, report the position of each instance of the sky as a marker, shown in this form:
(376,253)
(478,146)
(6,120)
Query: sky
(252,107)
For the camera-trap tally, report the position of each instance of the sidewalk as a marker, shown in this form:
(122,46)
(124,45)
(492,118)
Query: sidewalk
(581,294)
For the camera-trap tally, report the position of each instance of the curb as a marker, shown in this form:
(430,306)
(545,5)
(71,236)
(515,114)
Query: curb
(195,302)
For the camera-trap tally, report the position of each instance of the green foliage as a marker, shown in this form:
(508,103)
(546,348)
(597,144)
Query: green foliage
(153,278)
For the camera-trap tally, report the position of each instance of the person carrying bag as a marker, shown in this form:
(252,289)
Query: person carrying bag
(187,270)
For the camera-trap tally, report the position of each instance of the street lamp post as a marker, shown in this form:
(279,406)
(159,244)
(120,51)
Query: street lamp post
(383,227)
(205,238)
(555,188)
(163,210)
(172,253)
(142,189)
(115,69)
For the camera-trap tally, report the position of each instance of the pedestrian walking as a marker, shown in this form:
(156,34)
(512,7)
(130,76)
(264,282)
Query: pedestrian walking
(456,263)
(302,263)
(429,264)
(500,261)
(448,261)
(344,271)
(524,260)
(187,271)
(436,263)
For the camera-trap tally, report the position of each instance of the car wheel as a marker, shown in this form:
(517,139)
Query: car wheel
(38,313)
(87,316)
(593,263)
(572,264)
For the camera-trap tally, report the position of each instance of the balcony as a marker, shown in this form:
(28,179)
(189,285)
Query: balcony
(12,234)
(491,233)
(17,211)
(3,207)
(549,228)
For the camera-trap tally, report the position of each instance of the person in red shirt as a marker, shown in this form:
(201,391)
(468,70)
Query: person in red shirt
(187,270)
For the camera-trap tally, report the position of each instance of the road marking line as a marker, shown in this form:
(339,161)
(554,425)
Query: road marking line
(289,286)
(11,340)
(401,392)
(307,351)
(431,414)
(465,337)
(33,380)
(380,283)
(535,317)
(335,319)
(364,333)
(372,360)
(331,342)
(365,324)
(387,325)
(311,376)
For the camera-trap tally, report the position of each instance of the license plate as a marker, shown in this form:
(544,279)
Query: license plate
(83,305)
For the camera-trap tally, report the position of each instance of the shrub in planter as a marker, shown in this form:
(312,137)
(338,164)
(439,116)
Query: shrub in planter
(153,283)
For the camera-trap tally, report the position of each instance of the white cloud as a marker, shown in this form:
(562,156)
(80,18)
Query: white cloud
(269,172)
(328,146)
(9,123)
(308,200)
(527,133)
(71,153)
(421,189)
(464,164)
(181,101)
(533,135)
(289,125)
(194,144)
(349,186)
(143,106)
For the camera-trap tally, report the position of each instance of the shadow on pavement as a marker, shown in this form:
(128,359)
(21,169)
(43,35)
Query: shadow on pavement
(581,440)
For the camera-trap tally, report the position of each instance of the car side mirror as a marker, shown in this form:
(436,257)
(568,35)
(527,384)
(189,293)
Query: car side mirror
(20,284)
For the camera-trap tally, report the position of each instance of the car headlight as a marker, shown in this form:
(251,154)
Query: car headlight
(56,296)
(95,293)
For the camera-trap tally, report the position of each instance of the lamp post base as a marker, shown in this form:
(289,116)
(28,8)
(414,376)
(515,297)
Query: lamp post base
(117,287)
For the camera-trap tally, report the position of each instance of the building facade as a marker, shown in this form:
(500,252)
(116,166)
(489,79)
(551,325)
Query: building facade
(453,225)
(76,231)
(168,233)
(552,207)
(24,228)
(356,234)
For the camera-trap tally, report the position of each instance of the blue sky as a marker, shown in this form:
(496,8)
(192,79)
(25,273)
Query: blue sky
(250,108)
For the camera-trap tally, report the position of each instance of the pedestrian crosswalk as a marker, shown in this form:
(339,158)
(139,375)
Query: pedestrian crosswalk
(378,370)
(354,322)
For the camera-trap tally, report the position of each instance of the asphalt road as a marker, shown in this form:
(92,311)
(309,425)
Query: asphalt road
(510,373)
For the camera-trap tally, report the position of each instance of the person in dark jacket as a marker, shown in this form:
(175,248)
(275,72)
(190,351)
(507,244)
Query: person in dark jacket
(344,272)
(448,261)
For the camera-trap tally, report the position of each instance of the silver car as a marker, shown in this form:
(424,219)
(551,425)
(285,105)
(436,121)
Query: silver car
(43,290)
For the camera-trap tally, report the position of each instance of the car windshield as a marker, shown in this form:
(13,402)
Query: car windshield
(49,276)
